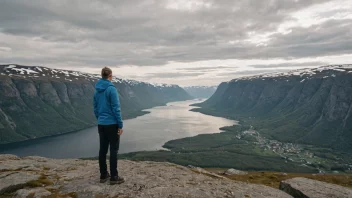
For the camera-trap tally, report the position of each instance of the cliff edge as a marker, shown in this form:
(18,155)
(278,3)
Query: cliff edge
(43,177)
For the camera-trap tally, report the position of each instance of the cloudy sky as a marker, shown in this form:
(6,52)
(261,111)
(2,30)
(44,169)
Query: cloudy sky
(185,42)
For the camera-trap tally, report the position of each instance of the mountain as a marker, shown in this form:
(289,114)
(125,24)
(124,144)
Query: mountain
(39,101)
(309,106)
(201,91)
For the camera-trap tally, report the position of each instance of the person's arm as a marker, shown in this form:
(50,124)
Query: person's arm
(115,105)
(95,104)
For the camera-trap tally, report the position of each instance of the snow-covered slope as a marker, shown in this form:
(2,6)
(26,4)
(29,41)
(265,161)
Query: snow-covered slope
(66,75)
(304,73)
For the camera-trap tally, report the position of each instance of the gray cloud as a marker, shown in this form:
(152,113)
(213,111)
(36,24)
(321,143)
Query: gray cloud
(306,64)
(93,33)
(252,72)
(206,68)
(173,75)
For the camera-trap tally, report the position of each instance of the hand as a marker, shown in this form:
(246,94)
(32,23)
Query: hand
(119,131)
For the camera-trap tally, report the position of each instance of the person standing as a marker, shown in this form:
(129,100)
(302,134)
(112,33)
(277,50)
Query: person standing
(110,125)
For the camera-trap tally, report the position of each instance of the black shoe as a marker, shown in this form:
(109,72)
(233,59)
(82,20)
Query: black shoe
(116,180)
(104,178)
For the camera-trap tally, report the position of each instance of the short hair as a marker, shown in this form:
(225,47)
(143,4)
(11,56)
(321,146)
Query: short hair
(106,72)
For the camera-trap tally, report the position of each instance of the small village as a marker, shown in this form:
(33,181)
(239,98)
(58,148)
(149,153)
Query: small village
(293,152)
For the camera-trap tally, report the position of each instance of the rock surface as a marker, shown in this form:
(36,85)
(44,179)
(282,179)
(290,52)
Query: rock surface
(35,193)
(202,171)
(14,180)
(143,179)
(235,172)
(307,188)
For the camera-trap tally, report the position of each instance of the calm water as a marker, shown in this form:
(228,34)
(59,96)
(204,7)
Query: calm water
(148,132)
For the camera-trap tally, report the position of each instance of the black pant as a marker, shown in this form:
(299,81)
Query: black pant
(108,136)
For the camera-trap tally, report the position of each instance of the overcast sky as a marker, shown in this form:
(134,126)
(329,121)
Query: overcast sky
(185,42)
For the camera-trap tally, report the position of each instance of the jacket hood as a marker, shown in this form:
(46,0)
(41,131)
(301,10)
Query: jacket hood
(102,85)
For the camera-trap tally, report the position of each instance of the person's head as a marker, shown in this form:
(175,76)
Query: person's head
(106,73)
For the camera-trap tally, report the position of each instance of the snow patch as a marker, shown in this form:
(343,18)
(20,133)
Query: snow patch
(66,74)
(302,72)
(298,73)
(346,66)
(39,69)
(75,74)
(10,66)
(341,70)
(23,70)
(161,85)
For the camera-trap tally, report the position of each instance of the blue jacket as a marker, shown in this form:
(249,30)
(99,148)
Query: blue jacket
(106,104)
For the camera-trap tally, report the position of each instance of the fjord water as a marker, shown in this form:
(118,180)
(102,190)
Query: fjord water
(148,132)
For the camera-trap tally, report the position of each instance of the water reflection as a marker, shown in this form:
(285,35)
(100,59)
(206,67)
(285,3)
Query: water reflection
(148,132)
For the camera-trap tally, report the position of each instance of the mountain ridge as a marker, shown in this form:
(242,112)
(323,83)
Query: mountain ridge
(311,106)
(40,101)
(200,91)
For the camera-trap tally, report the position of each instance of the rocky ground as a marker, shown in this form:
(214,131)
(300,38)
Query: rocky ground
(40,177)
(43,177)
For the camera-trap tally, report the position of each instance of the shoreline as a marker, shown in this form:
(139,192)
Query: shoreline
(17,144)
(11,145)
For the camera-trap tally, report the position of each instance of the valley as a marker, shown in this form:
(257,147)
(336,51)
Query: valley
(201,91)
(237,148)
(273,112)
(144,133)
(293,122)
(176,99)
(39,101)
